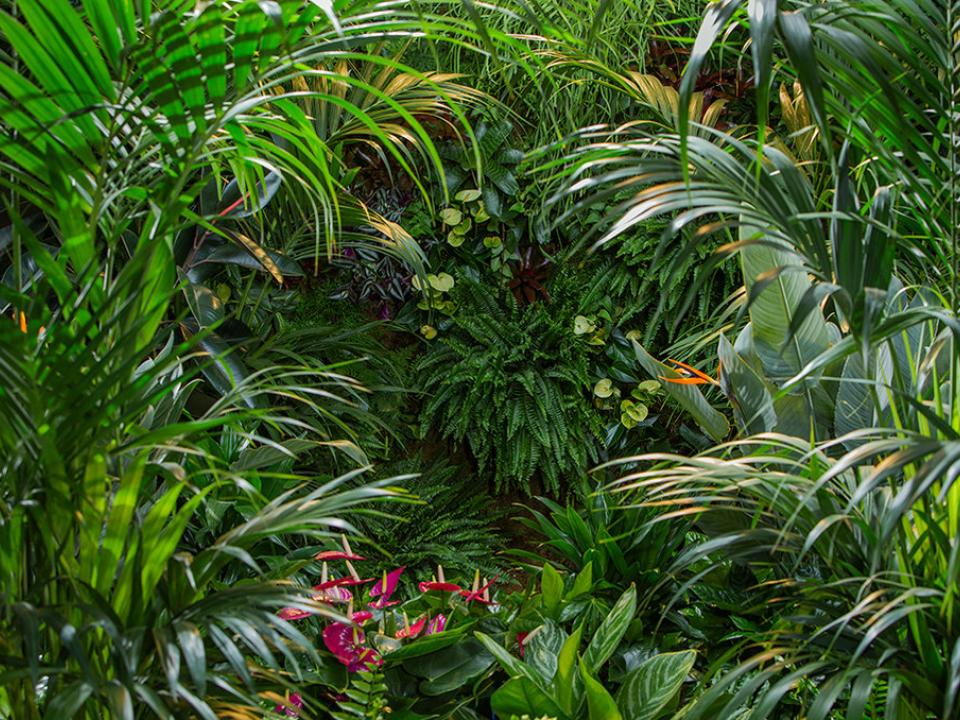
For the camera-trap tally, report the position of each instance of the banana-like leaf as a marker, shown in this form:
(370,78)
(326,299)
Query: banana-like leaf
(776,282)
(745,388)
(688,397)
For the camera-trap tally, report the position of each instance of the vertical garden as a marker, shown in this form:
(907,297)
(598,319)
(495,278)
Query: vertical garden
(511,360)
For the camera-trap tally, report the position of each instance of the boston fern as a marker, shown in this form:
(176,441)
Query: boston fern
(513,384)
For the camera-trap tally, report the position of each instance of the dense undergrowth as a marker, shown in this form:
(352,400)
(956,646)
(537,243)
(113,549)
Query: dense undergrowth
(568,360)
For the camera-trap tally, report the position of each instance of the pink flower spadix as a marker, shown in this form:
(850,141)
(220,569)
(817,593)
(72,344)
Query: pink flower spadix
(385,588)
(346,642)
(292,706)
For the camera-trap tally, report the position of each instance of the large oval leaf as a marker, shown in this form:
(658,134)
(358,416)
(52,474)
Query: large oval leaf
(649,689)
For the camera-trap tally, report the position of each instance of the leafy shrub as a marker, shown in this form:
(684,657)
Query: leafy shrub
(453,526)
(513,384)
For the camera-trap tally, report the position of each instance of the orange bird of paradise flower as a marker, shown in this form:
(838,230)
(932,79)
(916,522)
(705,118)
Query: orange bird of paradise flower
(689,375)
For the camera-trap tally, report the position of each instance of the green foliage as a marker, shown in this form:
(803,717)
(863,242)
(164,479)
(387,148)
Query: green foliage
(557,678)
(453,524)
(366,698)
(513,385)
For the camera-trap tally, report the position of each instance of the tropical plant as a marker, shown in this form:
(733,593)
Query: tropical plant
(850,535)
(139,141)
(453,524)
(104,467)
(512,384)
(555,678)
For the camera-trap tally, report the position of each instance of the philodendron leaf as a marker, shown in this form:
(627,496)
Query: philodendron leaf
(450,668)
(451,216)
(688,396)
(600,704)
(611,630)
(650,688)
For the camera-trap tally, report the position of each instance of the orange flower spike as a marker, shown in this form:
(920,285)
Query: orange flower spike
(688,375)
(23,322)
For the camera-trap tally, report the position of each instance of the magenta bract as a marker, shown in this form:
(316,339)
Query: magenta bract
(437,624)
(434,586)
(346,642)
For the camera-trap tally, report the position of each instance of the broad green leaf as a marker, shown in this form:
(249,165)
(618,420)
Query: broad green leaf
(451,216)
(450,668)
(650,688)
(688,397)
(519,696)
(551,590)
(567,682)
(746,389)
(600,704)
(776,283)
(584,580)
(611,631)
(542,649)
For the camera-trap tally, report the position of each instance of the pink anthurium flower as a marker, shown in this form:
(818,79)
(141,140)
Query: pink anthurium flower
(337,555)
(346,642)
(290,613)
(327,593)
(411,631)
(361,617)
(350,582)
(479,594)
(385,588)
(437,624)
(292,706)
(437,586)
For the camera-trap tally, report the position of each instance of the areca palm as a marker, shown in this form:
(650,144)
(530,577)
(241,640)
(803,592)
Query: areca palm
(120,125)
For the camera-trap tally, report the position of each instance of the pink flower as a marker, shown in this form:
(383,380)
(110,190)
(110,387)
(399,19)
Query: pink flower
(436,624)
(479,594)
(337,555)
(361,617)
(346,642)
(385,588)
(327,593)
(291,708)
(436,586)
(290,613)
(411,631)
